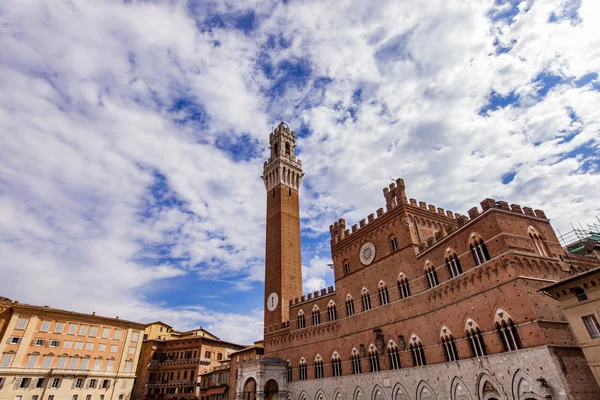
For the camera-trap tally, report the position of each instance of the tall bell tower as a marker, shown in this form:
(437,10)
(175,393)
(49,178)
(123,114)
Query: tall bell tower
(282,175)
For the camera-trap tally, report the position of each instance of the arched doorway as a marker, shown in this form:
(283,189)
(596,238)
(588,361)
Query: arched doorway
(271,390)
(249,392)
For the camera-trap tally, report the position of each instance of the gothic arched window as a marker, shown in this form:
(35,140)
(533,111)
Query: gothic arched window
(289,370)
(416,349)
(374,358)
(475,338)
(393,355)
(316,315)
(319,372)
(301,321)
(356,368)
(478,249)
(403,286)
(331,311)
(448,344)
(453,263)
(507,330)
(384,297)
(302,368)
(365,299)
(349,305)
(336,364)
(538,241)
(432,278)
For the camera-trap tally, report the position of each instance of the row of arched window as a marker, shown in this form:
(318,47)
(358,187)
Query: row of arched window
(478,251)
(504,327)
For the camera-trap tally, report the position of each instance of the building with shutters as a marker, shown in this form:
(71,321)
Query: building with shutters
(52,354)
(428,304)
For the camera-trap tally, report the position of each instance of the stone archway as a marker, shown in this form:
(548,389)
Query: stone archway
(271,390)
(249,392)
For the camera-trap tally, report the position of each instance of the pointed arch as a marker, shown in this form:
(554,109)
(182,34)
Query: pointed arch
(459,391)
(303,396)
(425,392)
(399,392)
(355,357)
(507,330)
(416,349)
(374,358)
(478,248)
(384,297)
(403,285)
(336,365)
(358,394)
(378,393)
(431,275)
(488,388)
(365,298)
(302,368)
(538,241)
(316,315)
(448,344)
(475,338)
(301,321)
(289,370)
(393,355)
(349,305)
(320,395)
(319,370)
(338,394)
(331,311)
(452,263)
(523,387)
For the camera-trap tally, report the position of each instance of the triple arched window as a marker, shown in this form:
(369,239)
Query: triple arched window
(478,249)
(365,299)
(393,355)
(507,330)
(384,297)
(356,368)
(316,315)
(374,359)
(301,321)
(289,370)
(448,344)
(538,241)
(475,338)
(403,286)
(432,278)
(416,349)
(336,364)
(349,305)
(453,263)
(331,312)
(319,373)
(303,369)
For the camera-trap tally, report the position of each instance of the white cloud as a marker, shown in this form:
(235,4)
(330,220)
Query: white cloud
(88,129)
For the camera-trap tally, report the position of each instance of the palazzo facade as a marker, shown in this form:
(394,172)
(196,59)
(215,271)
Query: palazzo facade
(428,304)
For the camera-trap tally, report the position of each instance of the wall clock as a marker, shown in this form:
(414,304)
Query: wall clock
(367,253)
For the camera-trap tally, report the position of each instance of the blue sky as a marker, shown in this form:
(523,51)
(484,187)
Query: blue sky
(133,135)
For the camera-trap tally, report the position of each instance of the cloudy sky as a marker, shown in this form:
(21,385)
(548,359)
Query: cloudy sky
(132,135)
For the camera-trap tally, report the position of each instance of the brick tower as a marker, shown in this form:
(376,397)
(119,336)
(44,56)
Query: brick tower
(282,175)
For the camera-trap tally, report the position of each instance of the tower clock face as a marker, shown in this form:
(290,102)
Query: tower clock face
(272,301)
(367,253)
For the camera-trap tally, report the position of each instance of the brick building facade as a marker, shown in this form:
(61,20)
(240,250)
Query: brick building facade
(428,304)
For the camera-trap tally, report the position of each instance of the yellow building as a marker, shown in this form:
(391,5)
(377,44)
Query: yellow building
(160,331)
(579,299)
(51,354)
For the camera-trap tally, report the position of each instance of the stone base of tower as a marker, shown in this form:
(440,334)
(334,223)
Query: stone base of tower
(540,373)
(263,379)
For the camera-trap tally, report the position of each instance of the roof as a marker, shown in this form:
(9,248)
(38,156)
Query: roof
(254,346)
(73,314)
(570,279)
(159,322)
